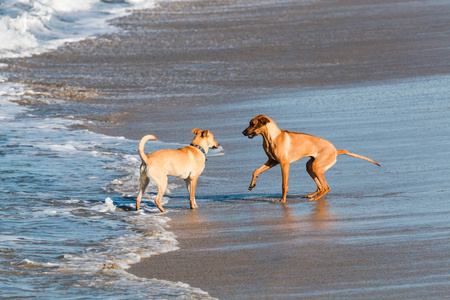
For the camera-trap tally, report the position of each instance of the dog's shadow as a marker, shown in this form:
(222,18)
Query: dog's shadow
(126,203)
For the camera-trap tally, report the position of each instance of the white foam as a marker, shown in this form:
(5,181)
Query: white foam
(20,40)
(31,264)
(54,211)
(8,238)
(108,206)
(149,237)
(216,152)
(69,5)
(41,25)
(11,91)
(63,148)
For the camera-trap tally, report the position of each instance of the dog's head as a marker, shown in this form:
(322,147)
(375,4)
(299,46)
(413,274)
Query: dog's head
(207,137)
(256,126)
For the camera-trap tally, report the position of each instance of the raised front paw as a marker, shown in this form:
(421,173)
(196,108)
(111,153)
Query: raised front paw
(251,187)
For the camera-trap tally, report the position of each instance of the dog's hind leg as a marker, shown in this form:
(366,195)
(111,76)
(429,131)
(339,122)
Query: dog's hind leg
(324,186)
(314,177)
(144,181)
(320,165)
(161,183)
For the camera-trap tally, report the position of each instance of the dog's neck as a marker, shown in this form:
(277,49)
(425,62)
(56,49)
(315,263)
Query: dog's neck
(200,148)
(271,132)
(201,144)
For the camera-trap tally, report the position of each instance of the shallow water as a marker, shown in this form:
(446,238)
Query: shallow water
(68,225)
(67,222)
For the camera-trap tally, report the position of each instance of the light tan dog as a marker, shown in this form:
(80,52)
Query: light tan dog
(186,163)
(285,147)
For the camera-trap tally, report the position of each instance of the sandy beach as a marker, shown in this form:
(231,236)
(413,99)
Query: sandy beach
(370,77)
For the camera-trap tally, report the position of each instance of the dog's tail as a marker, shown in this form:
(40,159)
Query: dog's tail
(142,144)
(339,152)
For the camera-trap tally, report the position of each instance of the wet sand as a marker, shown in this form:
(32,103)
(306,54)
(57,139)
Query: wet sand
(344,70)
(381,233)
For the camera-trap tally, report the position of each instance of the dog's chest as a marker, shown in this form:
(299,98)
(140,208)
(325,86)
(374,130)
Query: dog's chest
(270,155)
(270,151)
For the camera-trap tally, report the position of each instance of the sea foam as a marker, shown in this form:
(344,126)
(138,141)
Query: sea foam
(35,26)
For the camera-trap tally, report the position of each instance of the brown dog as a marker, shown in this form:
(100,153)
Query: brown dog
(186,163)
(285,147)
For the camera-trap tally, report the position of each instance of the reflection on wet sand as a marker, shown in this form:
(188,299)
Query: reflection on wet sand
(320,217)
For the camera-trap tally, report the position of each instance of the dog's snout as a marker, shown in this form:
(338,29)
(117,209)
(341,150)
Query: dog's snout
(249,133)
(215,145)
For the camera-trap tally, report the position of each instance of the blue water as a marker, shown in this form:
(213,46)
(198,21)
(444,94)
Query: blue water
(67,220)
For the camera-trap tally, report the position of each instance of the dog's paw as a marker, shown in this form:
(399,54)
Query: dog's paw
(251,187)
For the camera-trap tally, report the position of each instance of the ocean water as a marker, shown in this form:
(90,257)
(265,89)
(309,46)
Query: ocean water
(68,228)
(67,220)
(35,26)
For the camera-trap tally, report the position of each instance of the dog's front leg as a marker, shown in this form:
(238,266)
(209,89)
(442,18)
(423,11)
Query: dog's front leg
(285,175)
(269,164)
(191,184)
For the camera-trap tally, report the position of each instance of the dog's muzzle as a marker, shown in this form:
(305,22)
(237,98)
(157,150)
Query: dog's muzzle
(249,135)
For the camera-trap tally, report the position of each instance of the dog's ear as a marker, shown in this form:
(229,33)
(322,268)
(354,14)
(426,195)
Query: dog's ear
(196,131)
(205,133)
(264,120)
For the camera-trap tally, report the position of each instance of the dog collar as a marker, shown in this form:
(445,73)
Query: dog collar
(200,148)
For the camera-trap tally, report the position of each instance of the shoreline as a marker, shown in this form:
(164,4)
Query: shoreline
(231,51)
(214,63)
